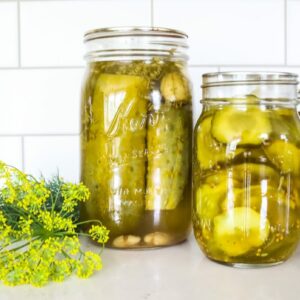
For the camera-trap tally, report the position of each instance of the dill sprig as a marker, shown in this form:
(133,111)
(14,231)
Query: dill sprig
(40,230)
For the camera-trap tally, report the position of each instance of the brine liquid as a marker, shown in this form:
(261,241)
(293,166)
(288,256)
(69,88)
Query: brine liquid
(136,153)
(246,207)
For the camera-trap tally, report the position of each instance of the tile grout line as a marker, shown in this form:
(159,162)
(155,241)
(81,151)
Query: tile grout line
(191,66)
(152,12)
(19,33)
(285,32)
(41,67)
(24,135)
(23,153)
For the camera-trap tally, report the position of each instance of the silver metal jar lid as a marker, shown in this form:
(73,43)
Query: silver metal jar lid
(248,78)
(131,43)
(108,32)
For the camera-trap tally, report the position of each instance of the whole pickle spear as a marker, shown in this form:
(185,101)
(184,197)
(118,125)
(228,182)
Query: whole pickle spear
(168,157)
(117,153)
(168,143)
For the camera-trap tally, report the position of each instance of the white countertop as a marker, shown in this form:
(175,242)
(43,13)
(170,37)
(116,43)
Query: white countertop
(178,273)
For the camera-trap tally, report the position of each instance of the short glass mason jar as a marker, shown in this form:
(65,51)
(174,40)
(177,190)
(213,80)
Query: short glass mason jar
(136,135)
(246,168)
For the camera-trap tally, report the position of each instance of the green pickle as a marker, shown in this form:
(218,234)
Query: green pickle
(136,151)
(168,163)
(118,100)
(246,207)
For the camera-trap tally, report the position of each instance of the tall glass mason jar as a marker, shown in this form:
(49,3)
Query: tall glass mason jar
(136,132)
(246,168)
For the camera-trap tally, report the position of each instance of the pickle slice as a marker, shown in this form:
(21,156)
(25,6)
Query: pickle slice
(239,230)
(241,125)
(285,125)
(208,200)
(168,157)
(284,155)
(210,194)
(252,173)
(277,205)
(175,87)
(116,157)
(209,151)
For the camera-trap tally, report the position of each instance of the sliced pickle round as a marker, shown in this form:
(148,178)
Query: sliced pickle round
(274,204)
(208,200)
(210,195)
(209,152)
(285,155)
(239,230)
(285,125)
(252,173)
(175,87)
(241,125)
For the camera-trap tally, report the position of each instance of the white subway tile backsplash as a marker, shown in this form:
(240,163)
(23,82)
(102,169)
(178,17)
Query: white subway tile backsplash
(196,78)
(11,151)
(40,101)
(293,25)
(52,31)
(48,155)
(227,31)
(8,34)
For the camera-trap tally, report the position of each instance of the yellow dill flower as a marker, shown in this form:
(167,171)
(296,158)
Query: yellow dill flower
(40,275)
(61,269)
(39,238)
(53,221)
(71,245)
(72,194)
(99,234)
(90,263)
(25,225)
(49,249)
(5,234)
(45,217)
(9,193)
(3,220)
(64,224)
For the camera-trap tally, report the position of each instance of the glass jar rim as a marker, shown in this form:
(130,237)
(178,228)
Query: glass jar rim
(107,32)
(135,43)
(248,78)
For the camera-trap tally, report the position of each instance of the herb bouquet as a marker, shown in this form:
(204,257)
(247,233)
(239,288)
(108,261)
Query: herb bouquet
(39,230)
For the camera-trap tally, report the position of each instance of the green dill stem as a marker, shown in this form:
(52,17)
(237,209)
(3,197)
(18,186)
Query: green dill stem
(66,254)
(20,172)
(20,247)
(89,221)
(56,198)
(86,234)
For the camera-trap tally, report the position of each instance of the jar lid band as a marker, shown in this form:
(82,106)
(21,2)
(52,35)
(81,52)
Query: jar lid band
(109,32)
(248,78)
(131,43)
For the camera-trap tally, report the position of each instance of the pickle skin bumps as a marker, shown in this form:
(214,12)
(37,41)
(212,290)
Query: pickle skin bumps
(168,146)
(118,150)
(168,164)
